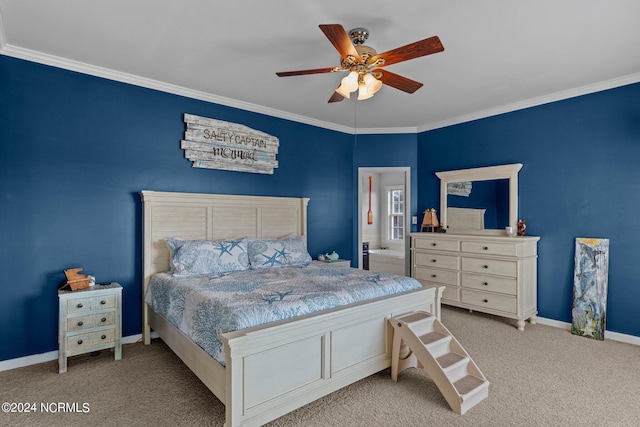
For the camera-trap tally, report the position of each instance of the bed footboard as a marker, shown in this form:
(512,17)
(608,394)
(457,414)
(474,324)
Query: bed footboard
(273,370)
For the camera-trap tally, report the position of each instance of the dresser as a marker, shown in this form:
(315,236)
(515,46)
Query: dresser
(487,273)
(89,320)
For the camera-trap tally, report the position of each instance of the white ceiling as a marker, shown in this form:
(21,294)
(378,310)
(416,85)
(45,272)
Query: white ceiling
(500,55)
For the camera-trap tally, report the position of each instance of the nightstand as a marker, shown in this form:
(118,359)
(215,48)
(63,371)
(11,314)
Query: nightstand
(89,320)
(339,263)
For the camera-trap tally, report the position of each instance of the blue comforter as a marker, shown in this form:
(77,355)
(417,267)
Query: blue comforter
(204,307)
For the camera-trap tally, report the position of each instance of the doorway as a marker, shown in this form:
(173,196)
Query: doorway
(382,232)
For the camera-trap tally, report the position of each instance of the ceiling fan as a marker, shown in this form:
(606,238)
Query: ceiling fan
(364,64)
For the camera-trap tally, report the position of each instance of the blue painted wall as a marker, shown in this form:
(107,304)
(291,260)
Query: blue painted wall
(75,150)
(581,178)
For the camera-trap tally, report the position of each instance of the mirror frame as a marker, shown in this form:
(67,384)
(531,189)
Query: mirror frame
(509,172)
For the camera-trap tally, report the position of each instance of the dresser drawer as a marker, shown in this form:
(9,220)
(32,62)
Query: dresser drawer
(436,244)
(90,339)
(88,321)
(486,300)
(490,248)
(451,293)
(490,266)
(446,277)
(489,283)
(436,260)
(79,305)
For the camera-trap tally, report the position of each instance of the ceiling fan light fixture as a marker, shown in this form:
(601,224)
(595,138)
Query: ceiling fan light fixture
(350,82)
(363,92)
(342,91)
(373,84)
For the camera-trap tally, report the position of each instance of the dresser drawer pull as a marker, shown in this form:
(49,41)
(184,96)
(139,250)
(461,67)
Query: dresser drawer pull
(485,266)
(485,300)
(486,283)
(434,245)
(104,319)
(80,323)
(79,305)
(433,260)
(79,342)
(486,248)
(103,302)
(103,337)
(433,275)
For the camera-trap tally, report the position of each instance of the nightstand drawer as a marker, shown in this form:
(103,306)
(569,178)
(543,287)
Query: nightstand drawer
(489,283)
(490,266)
(446,277)
(90,339)
(490,248)
(436,260)
(79,323)
(79,305)
(488,300)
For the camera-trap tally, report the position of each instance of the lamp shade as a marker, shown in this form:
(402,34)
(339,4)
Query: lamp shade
(350,82)
(363,92)
(345,93)
(430,219)
(373,84)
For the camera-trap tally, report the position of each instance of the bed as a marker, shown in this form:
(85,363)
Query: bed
(271,369)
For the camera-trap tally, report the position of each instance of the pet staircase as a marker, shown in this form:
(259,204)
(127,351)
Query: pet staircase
(432,347)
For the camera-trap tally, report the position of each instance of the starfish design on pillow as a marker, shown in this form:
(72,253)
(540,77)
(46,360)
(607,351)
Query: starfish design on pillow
(224,248)
(235,244)
(283,253)
(273,259)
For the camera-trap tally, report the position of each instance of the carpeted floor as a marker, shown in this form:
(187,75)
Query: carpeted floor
(543,376)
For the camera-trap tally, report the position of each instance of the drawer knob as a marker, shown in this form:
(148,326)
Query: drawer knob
(485,300)
(486,284)
(104,319)
(79,342)
(485,266)
(103,337)
(103,302)
(433,244)
(80,323)
(433,260)
(433,275)
(486,248)
(79,305)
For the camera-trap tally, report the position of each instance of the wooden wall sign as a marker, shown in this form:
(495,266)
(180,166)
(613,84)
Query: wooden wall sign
(215,144)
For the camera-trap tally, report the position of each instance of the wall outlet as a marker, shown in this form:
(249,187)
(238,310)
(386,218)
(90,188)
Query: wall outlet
(414,220)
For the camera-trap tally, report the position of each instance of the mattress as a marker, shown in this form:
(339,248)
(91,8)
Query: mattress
(206,306)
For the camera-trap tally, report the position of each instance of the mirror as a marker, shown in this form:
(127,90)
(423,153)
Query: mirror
(480,200)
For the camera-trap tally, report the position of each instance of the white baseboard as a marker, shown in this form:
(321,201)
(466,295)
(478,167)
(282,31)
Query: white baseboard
(20,362)
(609,335)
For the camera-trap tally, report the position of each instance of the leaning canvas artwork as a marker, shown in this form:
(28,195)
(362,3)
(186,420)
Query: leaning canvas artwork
(590,282)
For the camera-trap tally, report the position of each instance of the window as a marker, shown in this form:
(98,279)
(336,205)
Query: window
(395,197)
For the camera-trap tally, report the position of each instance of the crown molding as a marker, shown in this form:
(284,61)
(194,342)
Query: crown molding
(81,67)
(533,102)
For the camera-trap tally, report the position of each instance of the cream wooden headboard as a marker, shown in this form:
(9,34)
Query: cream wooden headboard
(213,216)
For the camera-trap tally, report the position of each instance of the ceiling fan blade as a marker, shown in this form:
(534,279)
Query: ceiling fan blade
(399,82)
(340,40)
(336,97)
(304,72)
(410,51)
